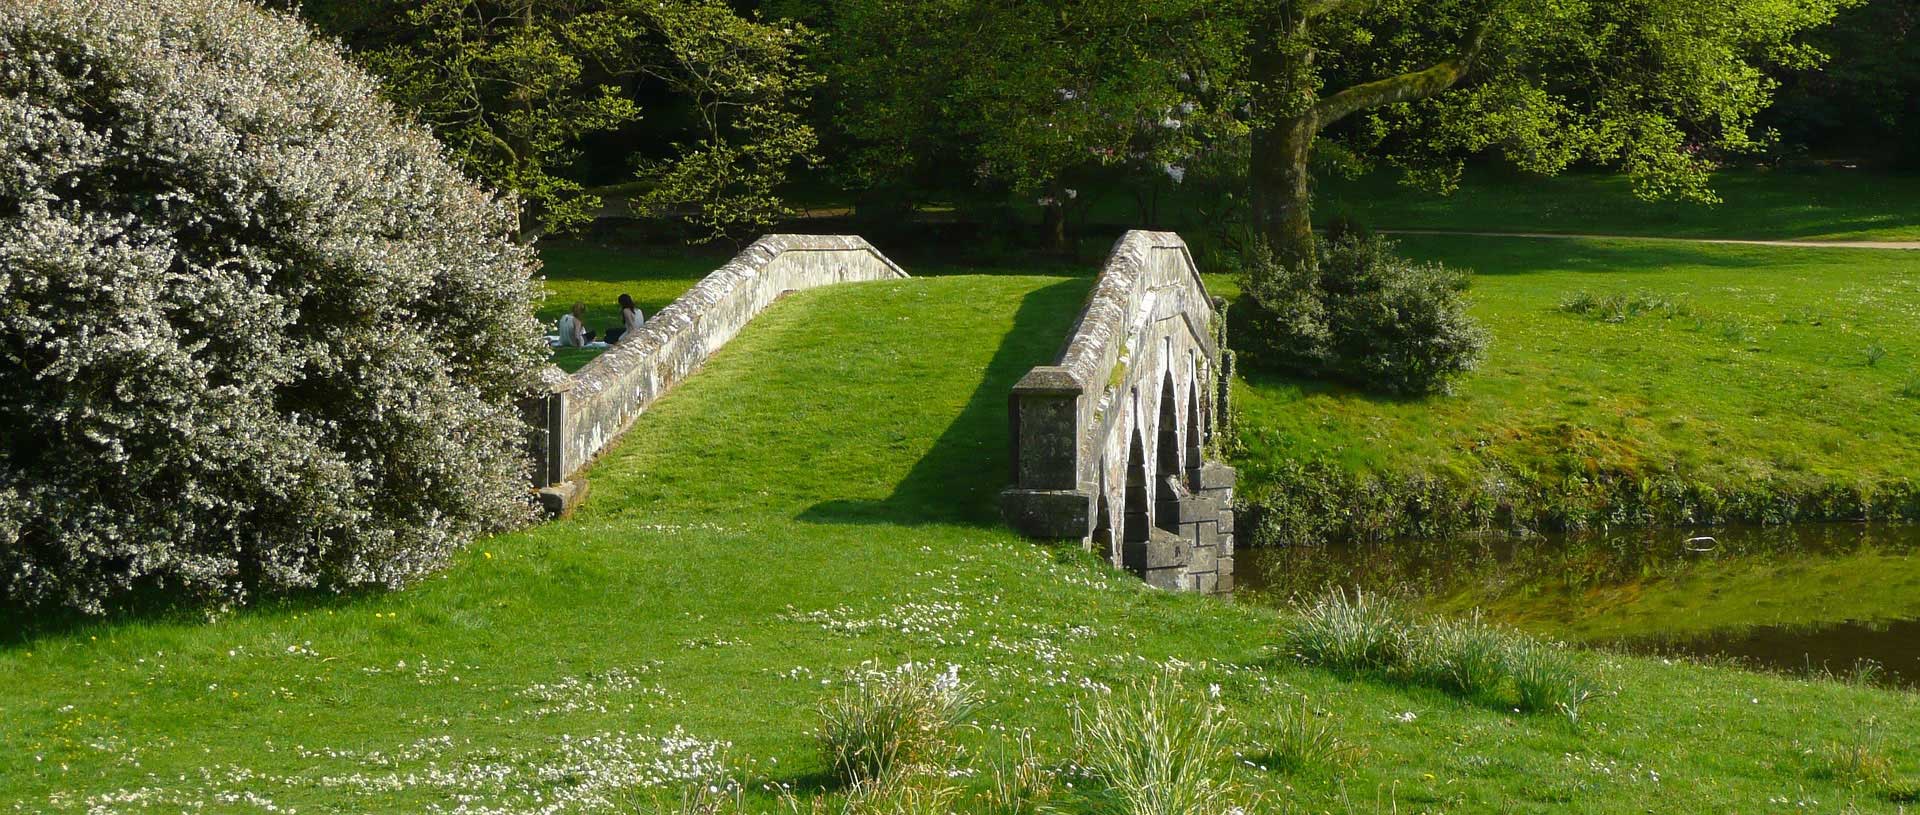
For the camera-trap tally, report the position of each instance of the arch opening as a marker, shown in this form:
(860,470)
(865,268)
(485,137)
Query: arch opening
(1168,471)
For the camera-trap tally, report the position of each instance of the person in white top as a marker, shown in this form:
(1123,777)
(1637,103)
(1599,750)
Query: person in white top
(573,327)
(630,320)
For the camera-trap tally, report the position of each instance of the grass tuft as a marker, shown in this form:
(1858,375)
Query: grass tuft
(888,725)
(1359,632)
(1299,737)
(1021,784)
(1545,680)
(1619,308)
(1373,634)
(1155,748)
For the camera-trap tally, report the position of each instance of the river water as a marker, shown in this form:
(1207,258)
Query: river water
(1820,598)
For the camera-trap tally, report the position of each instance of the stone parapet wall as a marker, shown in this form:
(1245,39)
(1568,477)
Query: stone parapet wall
(581,414)
(1110,442)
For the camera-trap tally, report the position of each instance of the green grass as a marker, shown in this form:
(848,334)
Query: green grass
(1811,204)
(1763,380)
(821,497)
(598,275)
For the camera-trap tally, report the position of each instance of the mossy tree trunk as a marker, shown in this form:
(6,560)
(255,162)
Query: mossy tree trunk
(1291,112)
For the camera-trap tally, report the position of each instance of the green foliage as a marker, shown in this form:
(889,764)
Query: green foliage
(1659,88)
(746,83)
(959,98)
(515,87)
(1859,102)
(256,334)
(1365,315)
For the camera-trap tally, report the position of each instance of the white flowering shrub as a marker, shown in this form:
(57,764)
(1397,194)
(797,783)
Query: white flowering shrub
(255,333)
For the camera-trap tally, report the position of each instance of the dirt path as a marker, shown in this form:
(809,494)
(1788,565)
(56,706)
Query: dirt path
(1913,245)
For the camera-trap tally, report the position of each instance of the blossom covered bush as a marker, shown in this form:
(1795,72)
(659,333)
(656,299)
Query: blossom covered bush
(255,332)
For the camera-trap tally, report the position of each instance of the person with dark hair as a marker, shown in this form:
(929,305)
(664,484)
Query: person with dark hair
(630,320)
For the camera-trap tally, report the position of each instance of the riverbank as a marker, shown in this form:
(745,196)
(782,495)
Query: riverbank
(1628,383)
(1806,599)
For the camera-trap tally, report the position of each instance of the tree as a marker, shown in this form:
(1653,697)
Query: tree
(515,86)
(1027,91)
(256,333)
(1658,88)
(1025,99)
(1866,101)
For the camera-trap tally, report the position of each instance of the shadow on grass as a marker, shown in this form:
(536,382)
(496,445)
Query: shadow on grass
(23,627)
(960,477)
(1523,256)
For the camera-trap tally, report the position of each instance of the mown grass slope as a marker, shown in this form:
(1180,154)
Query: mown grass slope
(1743,369)
(818,498)
(1757,204)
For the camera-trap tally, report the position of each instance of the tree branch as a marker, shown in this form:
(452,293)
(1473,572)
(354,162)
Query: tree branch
(1406,87)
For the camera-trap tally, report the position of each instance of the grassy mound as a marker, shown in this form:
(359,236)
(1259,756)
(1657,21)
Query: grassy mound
(818,503)
(1627,383)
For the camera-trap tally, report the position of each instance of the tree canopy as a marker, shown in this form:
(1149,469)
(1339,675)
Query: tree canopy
(1025,94)
(516,87)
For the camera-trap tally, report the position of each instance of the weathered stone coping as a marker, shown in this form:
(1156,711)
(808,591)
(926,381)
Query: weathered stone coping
(1109,442)
(1094,359)
(579,415)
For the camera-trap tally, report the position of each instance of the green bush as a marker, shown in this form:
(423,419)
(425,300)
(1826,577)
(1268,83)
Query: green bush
(1366,315)
(256,333)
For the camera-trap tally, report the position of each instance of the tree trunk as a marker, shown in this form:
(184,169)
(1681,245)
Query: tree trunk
(1282,68)
(1053,227)
(1282,200)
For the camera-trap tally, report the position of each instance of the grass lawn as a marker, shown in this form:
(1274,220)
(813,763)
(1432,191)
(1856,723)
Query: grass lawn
(1808,204)
(597,276)
(819,498)
(1761,369)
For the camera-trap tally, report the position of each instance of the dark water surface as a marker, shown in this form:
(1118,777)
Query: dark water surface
(1823,598)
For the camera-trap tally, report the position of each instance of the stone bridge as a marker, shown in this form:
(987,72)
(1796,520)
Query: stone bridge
(580,414)
(1111,443)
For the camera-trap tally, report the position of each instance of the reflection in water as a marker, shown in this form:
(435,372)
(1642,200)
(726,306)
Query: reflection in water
(1892,648)
(1820,596)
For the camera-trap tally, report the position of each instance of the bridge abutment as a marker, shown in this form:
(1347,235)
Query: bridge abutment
(1111,443)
